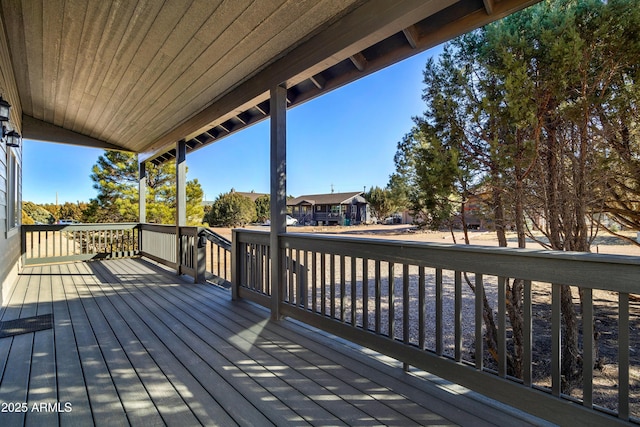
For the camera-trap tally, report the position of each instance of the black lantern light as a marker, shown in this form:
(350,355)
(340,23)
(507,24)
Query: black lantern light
(13,139)
(4,110)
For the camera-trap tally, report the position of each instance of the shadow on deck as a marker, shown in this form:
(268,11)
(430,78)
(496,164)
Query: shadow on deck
(133,344)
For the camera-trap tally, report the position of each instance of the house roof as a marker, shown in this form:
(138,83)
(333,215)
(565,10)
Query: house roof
(325,199)
(141,75)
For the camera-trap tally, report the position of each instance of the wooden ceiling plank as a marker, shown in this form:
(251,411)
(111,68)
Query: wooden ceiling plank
(155,86)
(94,23)
(112,35)
(68,50)
(32,13)
(8,84)
(12,12)
(221,52)
(251,53)
(53,14)
(144,56)
(138,26)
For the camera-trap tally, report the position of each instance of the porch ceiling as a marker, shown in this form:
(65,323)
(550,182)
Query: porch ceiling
(141,75)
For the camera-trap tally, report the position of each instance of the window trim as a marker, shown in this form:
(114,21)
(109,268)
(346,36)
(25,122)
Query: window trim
(13,211)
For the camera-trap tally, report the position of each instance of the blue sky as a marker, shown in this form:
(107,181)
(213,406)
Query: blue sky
(347,138)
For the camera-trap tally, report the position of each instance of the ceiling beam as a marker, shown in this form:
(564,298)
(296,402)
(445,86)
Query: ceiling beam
(318,81)
(412,36)
(488,6)
(359,61)
(39,130)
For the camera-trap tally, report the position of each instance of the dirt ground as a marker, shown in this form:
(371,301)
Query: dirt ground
(605,305)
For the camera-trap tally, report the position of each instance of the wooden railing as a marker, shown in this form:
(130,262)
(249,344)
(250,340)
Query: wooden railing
(78,242)
(218,257)
(204,255)
(158,242)
(423,305)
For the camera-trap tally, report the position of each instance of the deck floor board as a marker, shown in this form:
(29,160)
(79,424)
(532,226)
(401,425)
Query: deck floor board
(134,344)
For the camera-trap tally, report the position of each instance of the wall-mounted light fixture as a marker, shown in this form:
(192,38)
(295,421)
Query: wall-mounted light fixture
(13,139)
(5,107)
(10,137)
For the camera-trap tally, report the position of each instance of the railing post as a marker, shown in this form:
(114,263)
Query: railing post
(278,160)
(200,262)
(181,198)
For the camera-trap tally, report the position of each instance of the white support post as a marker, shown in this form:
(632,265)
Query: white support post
(278,111)
(181,197)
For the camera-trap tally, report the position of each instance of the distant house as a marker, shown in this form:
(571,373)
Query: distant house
(331,209)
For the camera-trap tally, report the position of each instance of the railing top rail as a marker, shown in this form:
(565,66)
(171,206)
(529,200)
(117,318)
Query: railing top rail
(159,228)
(80,227)
(251,236)
(216,238)
(599,271)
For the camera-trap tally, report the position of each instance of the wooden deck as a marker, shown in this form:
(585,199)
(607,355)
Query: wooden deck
(133,344)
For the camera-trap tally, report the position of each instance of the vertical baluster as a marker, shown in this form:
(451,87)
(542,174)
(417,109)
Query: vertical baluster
(392,308)
(323,283)
(405,303)
(502,326)
(53,240)
(365,294)
(46,246)
(242,255)
(422,308)
(291,296)
(267,260)
(405,309)
(354,295)
(304,280)
(314,285)
(623,356)
(439,323)
(587,347)
(332,285)
(556,291)
(260,260)
(218,250)
(479,296)
(342,288)
(527,332)
(378,288)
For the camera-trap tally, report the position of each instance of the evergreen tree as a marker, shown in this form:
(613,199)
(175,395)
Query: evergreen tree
(231,210)
(541,107)
(115,177)
(263,208)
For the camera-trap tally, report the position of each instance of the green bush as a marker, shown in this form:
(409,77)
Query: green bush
(231,210)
